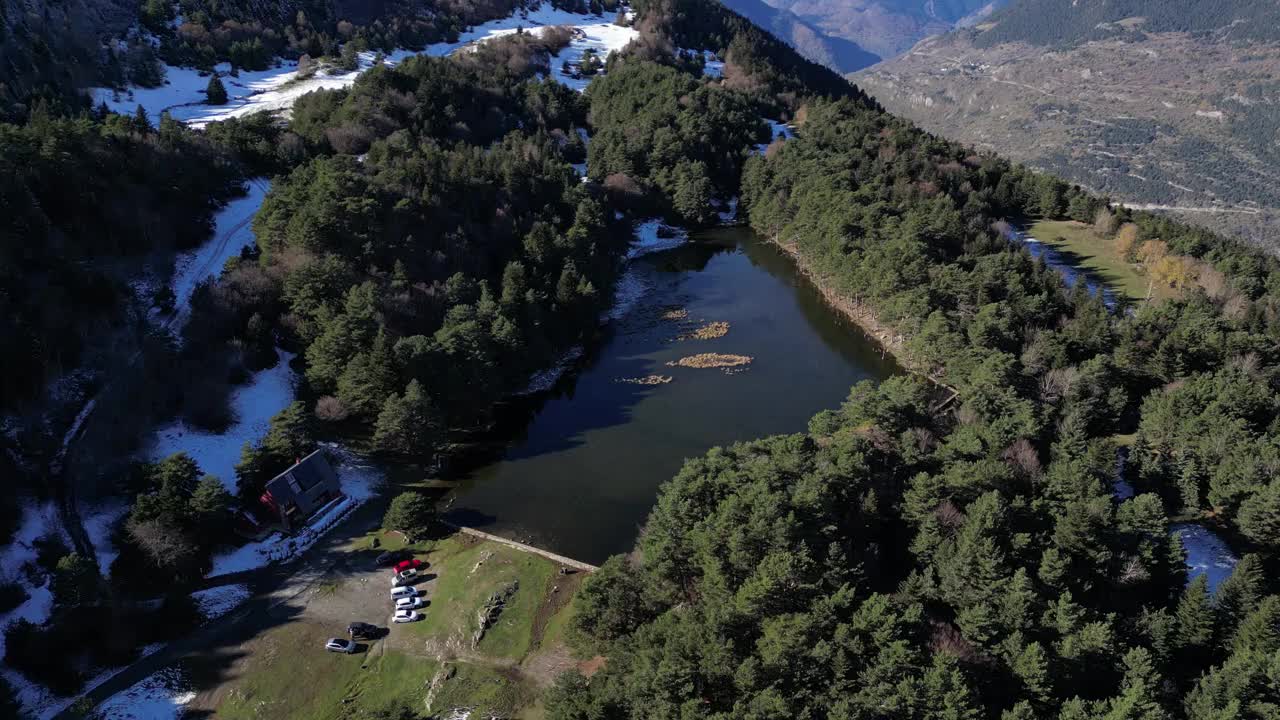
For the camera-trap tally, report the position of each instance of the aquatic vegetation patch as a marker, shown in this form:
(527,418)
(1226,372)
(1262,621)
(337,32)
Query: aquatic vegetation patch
(712,360)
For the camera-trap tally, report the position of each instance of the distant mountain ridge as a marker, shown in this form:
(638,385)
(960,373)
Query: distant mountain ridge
(887,27)
(1165,105)
(836,53)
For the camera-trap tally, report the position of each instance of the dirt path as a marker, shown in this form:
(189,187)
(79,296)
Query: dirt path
(59,469)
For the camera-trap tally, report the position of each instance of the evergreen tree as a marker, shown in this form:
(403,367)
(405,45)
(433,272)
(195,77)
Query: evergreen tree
(411,513)
(75,581)
(215,92)
(408,424)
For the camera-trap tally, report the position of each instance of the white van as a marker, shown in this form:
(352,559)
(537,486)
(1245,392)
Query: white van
(403,592)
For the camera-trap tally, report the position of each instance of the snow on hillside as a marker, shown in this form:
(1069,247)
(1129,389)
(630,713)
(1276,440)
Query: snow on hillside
(267,393)
(776,130)
(159,697)
(276,88)
(217,601)
(233,230)
(360,479)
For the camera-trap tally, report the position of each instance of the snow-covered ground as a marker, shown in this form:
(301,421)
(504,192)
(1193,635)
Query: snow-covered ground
(159,697)
(267,393)
(546,379)
(218,601)
(233,230)
(275,88)
(360,482)
(37,522)
(776,130)
(594,32)
(648,240)
(278,87)
(630,288)
(38,702)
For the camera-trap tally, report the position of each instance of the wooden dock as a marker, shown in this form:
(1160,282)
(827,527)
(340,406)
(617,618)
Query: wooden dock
(567,562)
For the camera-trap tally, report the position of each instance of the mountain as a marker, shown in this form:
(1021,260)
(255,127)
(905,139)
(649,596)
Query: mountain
(836,53)
(887,27)
(1167,106)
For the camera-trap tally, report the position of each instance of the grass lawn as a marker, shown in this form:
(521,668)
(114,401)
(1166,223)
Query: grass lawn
(296,681)
(1097,255)
(285,676)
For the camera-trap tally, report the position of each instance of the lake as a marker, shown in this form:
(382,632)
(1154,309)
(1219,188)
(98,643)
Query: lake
(582,463)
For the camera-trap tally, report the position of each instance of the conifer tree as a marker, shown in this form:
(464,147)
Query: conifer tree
(215,92)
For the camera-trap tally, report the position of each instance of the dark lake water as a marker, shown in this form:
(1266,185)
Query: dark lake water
(583,462)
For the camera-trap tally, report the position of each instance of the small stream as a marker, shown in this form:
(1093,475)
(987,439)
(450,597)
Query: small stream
(1060,263)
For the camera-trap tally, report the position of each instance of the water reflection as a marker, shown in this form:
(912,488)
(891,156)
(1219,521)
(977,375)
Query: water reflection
(578,469)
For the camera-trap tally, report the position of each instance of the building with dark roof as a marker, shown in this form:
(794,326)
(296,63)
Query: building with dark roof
(297,493)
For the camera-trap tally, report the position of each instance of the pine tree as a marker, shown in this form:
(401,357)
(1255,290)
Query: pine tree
(410,513)
(1195,619)
(211,499)
(1237,595)
(408,424)
(215,93)
(75,580)
(141,121)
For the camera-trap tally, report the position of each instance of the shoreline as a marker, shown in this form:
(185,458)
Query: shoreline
(863,315)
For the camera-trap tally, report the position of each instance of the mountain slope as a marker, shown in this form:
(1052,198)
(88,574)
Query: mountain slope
(886,27)
(836,53)
(1169,110)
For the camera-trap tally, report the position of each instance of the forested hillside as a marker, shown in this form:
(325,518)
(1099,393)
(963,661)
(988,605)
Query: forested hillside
(950,544)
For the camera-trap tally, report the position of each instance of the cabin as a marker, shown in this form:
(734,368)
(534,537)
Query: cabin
(296,494)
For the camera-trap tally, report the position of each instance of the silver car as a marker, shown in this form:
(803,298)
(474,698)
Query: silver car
(340,645)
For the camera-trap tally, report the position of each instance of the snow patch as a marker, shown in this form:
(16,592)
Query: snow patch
(161,696)
(360,480)
(267,393)
(218,601)
(233,230)
(729,216)
(546,379)
(776,129)
(648,238)
(591,32)
(273,89)
(98,523)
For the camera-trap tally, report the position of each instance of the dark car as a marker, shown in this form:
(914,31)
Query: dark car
(391,556)
(363,630)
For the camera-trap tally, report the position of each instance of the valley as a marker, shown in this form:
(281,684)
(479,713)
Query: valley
(1173,121)
(652,368)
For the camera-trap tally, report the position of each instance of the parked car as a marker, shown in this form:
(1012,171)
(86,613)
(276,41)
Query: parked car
(404,578)
(403,592)
(410,564)
(364,630)
(409,603)
(406,616)
(339,645)
(391,556)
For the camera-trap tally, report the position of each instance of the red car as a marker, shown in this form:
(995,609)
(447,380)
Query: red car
(407,564)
